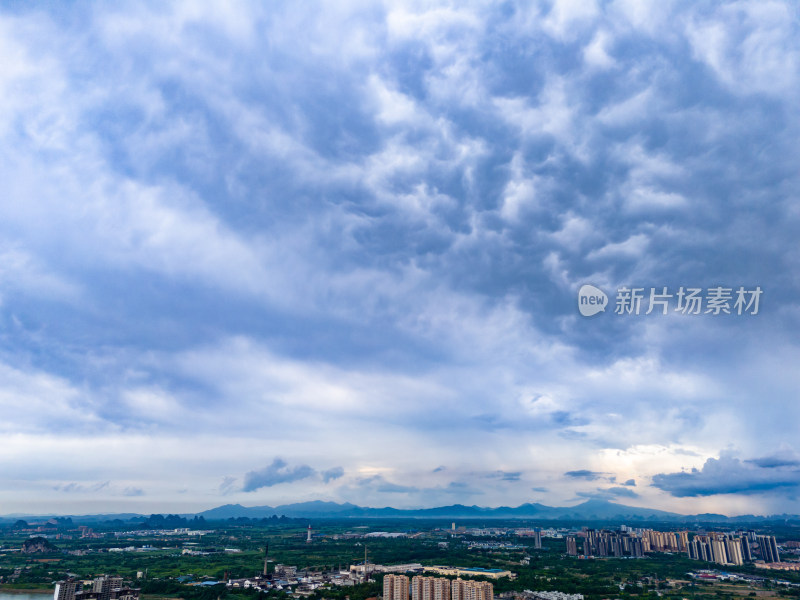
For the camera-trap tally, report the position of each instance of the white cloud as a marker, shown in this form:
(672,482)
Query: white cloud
(633,247)
(567,18)
(750,46)
(33,400)
(596,52)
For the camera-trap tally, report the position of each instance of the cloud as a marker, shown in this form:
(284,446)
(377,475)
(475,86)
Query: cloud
(378,483)
(786,458)
(619,492)
(388,487)
(584,474)
(226,485)
(332,474)
(613,493)
(459,488)
(505,475)
(455,173)
(103,487)
(79,488)
(275,473)
(729,475)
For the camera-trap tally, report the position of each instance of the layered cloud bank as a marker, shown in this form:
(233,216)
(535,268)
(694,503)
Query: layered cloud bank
(268,254)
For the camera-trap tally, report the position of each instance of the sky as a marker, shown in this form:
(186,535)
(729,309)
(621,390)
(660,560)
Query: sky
(264,253)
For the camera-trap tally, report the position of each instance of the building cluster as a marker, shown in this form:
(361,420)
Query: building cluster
(538,595)
(100,588)
(536,533)
(734,549)
(300,582)
(398,587)
(494,546)
(721,548)
(551,596)
(369,568)
(627,542)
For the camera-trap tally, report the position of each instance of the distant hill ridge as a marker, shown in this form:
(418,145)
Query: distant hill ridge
(591,510)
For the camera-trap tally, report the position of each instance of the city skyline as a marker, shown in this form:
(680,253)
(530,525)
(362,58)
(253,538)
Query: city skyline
(272,254)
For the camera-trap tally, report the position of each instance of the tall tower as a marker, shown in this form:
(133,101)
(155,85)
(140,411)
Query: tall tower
(308,537)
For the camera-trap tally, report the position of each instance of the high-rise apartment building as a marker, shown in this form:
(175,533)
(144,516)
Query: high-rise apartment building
(65,590)
(422,588)
(572,546)
(104,586)
(683,540)
(768,548)
(441,588)
(636,548)
(430,588)
(718,552)
(733,546)
(437,588)
(747,553)
(465,589)
(395,587)
(720,548)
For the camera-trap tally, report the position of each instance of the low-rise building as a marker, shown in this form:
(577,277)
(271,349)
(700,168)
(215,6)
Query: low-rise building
(469,572)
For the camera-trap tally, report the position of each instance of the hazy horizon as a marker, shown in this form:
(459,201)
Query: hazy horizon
(591,501)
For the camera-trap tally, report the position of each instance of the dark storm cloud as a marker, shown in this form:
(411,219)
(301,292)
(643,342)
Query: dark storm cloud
(729,475)
(783,459)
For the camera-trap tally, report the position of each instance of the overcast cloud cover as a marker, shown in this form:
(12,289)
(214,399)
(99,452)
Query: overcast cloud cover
(265,253)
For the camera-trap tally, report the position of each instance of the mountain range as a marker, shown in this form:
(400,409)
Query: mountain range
(591,510)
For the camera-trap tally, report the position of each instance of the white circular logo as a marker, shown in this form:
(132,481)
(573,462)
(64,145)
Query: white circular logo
(591,300)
